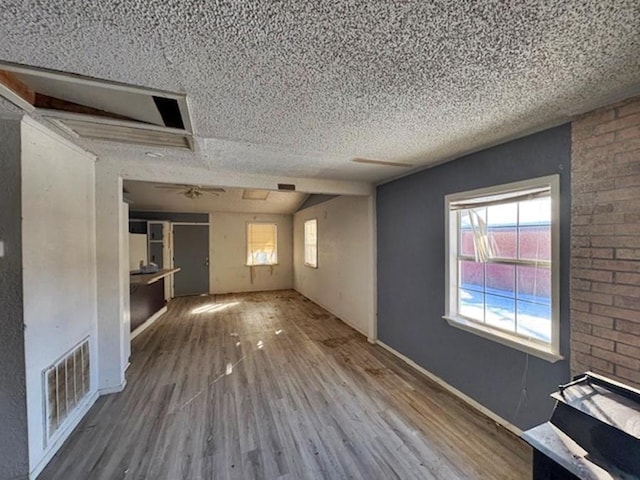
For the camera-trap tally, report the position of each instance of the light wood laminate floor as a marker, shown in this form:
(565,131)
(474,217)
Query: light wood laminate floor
(270,385)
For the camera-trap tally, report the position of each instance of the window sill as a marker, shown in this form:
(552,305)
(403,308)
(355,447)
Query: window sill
(262,265)
(523,345)
(311,266)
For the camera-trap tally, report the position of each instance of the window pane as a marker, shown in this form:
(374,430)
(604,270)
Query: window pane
(500,312)
(466,235)
(504,259)
(501,224)
(534,284)
(472,275)
(501,279)
(535,242)
(471,304)
(535,212)
(534,320)
(311,242)
(310,255)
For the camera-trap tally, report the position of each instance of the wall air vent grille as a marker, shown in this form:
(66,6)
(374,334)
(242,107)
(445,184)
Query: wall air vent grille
(100,109)
(126,133)
(67,383)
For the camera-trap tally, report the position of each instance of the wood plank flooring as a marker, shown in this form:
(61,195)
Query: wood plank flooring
(271,386)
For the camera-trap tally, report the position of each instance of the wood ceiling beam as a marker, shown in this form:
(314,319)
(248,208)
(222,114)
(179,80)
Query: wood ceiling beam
(13,83)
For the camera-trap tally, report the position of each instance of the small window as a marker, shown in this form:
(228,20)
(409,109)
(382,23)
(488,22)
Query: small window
(311,243)
(503,264)
(262,244)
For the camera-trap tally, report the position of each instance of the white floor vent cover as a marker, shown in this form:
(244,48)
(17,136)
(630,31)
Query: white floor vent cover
(66,385)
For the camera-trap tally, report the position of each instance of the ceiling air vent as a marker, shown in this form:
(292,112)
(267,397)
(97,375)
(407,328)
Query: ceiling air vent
(382,162)
(125,132)
(99,109)
(250,194)
(286,186)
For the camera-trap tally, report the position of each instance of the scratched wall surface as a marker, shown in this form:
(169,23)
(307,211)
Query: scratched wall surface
(14,462)
(299,88)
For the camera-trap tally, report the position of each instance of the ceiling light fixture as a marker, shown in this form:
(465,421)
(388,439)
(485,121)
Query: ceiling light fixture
(154,154)
(193,193)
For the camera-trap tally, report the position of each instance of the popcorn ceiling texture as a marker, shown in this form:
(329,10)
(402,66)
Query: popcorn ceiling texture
(300,88)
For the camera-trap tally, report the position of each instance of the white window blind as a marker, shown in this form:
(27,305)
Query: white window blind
(311,243)
(262,244)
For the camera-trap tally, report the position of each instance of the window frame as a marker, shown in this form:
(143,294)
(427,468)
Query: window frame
(246,252)
(548,351)
(304,243)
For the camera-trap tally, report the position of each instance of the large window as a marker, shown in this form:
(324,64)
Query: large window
(502,264)
(311,243)
(262,244)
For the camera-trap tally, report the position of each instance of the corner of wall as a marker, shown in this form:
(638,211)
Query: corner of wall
(14,455)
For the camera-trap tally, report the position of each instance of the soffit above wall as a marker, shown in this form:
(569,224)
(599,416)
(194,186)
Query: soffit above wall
(302,88)
(150,196)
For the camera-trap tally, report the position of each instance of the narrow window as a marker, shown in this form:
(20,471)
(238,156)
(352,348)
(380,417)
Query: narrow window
(311,243)
(503,264)
(262,244)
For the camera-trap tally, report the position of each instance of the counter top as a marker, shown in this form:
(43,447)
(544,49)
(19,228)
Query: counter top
(562,449)
(149,278)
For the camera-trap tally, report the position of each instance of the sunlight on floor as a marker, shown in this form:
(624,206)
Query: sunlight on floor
(213,307)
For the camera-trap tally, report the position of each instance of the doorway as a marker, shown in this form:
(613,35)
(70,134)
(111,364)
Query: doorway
(191,254)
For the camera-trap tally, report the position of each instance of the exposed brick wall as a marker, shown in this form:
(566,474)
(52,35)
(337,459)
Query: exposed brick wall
(605,232)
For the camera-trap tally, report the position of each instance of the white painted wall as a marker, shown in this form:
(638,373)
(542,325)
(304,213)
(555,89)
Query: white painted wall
(138,251)
(125,297)
(59,262)
(228,249)
(112,233)
(344,281)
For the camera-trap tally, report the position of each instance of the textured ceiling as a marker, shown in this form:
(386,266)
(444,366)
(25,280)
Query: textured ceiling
(299,88)
(147,196)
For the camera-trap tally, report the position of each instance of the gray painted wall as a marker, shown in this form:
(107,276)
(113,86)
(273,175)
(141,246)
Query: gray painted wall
(14,456)
(411,271)
(170,216)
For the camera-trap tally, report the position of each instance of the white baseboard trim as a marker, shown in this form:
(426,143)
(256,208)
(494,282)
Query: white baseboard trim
(342,319)
(148,322)
(110,390)
(63,435)
(454,391)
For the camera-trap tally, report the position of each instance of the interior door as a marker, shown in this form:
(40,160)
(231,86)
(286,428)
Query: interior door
(191,254)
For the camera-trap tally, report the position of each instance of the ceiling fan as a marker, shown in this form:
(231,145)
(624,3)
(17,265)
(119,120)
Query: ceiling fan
(192,191)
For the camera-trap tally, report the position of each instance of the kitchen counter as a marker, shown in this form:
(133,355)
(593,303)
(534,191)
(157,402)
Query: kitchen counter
(146,298)
(149,278)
